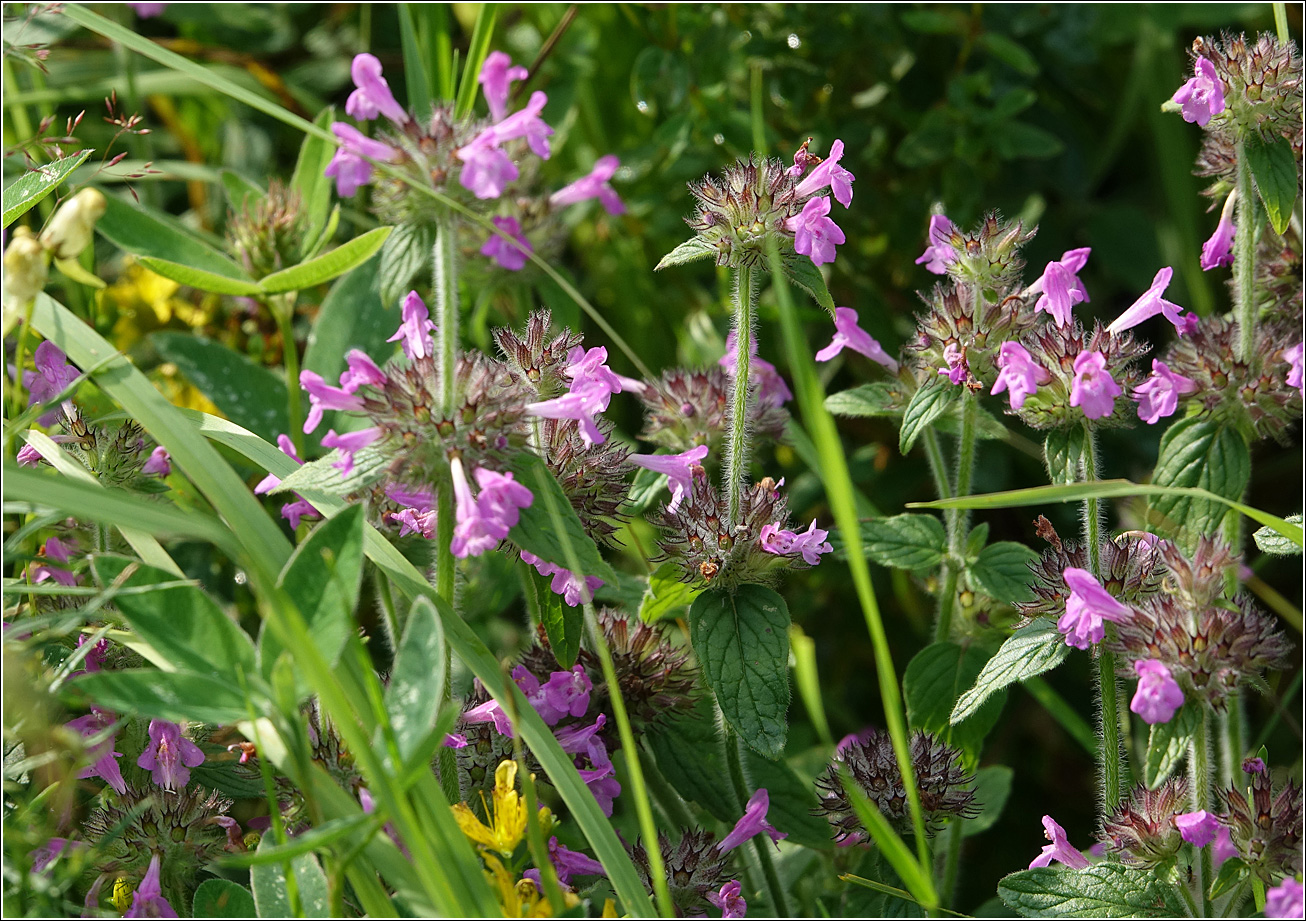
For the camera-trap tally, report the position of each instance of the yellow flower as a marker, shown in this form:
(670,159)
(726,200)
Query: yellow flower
(609,909)
(122,894)
(507,816)
(521,899)
(144,302)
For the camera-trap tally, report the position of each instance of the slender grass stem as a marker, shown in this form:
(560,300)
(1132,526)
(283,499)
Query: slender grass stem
(779,904)
(951,863)
(1244,258)
(668,800)
(737,435)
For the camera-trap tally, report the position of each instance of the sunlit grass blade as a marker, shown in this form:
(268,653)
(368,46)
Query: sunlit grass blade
(913,875)
(893,891)
(1110,489)
(416,75)
(477,50)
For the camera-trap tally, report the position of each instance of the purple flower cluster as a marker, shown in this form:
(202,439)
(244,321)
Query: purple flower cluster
(485,519)
(809,544)
(293,512)
(592,385)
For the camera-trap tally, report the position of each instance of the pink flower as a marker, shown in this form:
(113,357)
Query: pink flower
(52,376)
(510,255)
(812,543)
(526,123)
(46,854)
(169,755)
(361,370)
(829,173)
(590,391)
(373,94)
(1087,607)
(564,694)
(148,10)
(753,822)
(272,481)
(496,78)
(54,549)
(349,444)
(485,520)
(454,740)
(571,863)
(777,541)
(1059,849)
(1158,695)
(958,369)
(1224,848)
(1061,286)
(771,387)
(1158,396)
(105,764)
(1018,373)
(574,589)
(158,464)
(1093,390)
(1293,356)
(415,521)
(148,900)
(815,235)
(28,456)
(487,170)
(322,396)
(849,335)
(939,252)
(680,470)
(729,900)
(1152,303)
(490,712)
(416,328)
(1197,828)
(1202,96)
(595,185)
(1218,250)
(348,166)
(1286,900)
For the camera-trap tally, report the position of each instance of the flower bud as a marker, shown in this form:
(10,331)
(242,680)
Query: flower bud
(69,231)
(26,269)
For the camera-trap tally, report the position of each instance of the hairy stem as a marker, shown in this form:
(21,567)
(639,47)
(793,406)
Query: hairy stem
(1107,685)
(737,434)
(957,520)
(761,842)
(1244,258)
(1199,782)
(445,284)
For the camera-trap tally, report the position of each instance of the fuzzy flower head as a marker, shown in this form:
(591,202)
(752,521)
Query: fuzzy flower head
(988,256)
(1266,825)
(847,334)
(684,409)
(1144,828)
(1088,606)
(1159,696)
(761,199)
(1202,96)
(1158,396)
(696,870)
(170,755)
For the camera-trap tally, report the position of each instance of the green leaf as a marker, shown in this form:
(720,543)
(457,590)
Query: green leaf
(1009,52)
(352,315)
(666,594)
(23,194)
(1063,451)
(199,278)
(1002,571)
(879,399)
(241,192)
(322,577)
(180,622)
(221,898)
(311,182)
(477,49)
(934,398)
(691,250)
(934,679)
(1274,167)
(793,800)
(405,253)
(992,789)
(1232,872)
(915,542)
(174,696)
(741,640)
(247,393)
(562,622)
(1198,453)
(1102,890)
(416,77)
(271,894)
(140,230)
(535,531)
(1014,140)
(803,272)
(328,265)
(1272,542)
(1032,650)
(322,478)
(1167,743)
(417,678)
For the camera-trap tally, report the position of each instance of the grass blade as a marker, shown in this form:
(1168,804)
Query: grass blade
(476,52)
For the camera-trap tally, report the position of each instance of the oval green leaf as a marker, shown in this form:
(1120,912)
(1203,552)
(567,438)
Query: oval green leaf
(327,266)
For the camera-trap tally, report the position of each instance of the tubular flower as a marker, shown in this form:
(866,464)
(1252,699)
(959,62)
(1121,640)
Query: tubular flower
(732,903)
(159,463)
(573,588)
(1060,848)
(496,78)
(829,174)
(1286,900)
(170,755)
(373,94)
(415,330)
(1202,96)
(1018,373)
(1087,607)
(52,376)
(847,334)
(322,396)
(484,520)
(349,444)
(349,168)
(1060,285)
(1293,356)
(1197,828)
(1158,396)
(1150,304)
(753,822)
(815,235)
(1158,696)
(958,369)
(148,900)
(105,765)
(939,252)
(595,185)
(680,470)
(1093,389)
(1218,250)
(591,389)
(511,254)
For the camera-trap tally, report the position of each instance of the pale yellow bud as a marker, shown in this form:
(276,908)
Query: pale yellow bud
(70,230)
(26,268)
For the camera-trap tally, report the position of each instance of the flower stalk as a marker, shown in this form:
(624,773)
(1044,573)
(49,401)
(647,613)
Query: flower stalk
(1199,783)
(737,436)
(760,842)
(282,308)
(1244,257)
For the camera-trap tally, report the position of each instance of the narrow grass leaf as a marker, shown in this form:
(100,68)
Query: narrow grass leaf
(327,266)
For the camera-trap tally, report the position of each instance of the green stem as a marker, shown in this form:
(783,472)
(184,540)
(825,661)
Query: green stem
(1281,21)
(779,904)
(445,283)
(951,863)
(1108,689)
(1244,258)
(1199,782)
(16,389)
(447,759)
(957,520)
(282,309)
(737,435)
(938,464)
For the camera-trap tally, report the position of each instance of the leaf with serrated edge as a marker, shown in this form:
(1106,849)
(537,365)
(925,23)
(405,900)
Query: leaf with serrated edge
(322,477)
(1063,452)
(915,542)
(535,531)
(934,679)
(1002,571)
(934,398)
(741,640)
(1274,167)
(1167,743)
(879,399)
(1270,541)
(1102,890)
(803,272)
(691,250)
(1204,454)
(666,593)
(1032,650)
(562,622)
